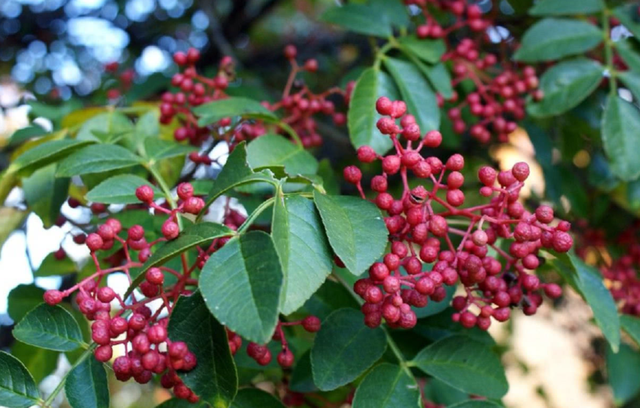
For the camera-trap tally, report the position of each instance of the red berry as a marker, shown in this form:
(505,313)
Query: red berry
(157,334)
(311,324)
(180,58)
(106,232)
(487,176)
(53,297)
(106,294)
(290,52)
(352,174)
(193,55)
(562,241)
(135,233)
(384,106)
(94,242)
(194,205)
(184,190)
(103,353)
(170,230)
(366,154)
(144,193)
(520,171)
(285,358)
(155,276)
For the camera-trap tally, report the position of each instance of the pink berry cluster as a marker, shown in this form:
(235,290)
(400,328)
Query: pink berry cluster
(423,221)
(620,273)
(301,106)
(501,87)
(141,332)
(298,102)
(261,353)
(464,15)
(134,326)
(498,100)
(123,80)
(193,90)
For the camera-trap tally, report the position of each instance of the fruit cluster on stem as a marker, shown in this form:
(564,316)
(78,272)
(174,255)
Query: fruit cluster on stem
(500,86)
(423,220)
(299,104)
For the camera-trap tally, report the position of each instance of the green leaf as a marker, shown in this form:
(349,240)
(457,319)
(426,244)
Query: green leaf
(355,228)
(566,7)
(430,51)
(236,172)
(38,361)
(631,325)
(253,398)
(627,14)
(17,387)
(50,327)
(444,394)
(623,369)
(555,38)
(565,85)
(44,154)
(190,237)
(235,106)
(51,266)
(629,55)
(22,299)
(179,403)
(97,159)
(274,150)
(416,92)
(359,18)
(303,249)
(464,364)
(302,377)
(438,77)
(632,81)
(242,284)
(106,127)
(387,386)
(330,297)
(158,149)
(587,281)
(214,379)
(476,404)
(120,189)
(394,10)
(362,116)
(87,385)
(45,193)
(344,348)
(620,124)
(26,133)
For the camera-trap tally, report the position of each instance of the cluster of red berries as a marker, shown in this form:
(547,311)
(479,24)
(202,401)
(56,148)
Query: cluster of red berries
(123,80)
(421,224)
(620,273)
(194,89)
(501,87)
(466,15)
(261,353)
(301,106)
(141,332)
(496,99)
